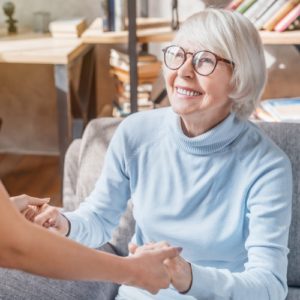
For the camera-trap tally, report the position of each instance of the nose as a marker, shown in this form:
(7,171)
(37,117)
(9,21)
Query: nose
(187,70)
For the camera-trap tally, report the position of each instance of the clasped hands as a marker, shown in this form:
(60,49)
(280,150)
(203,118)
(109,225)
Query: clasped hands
(38,211)
(178,268)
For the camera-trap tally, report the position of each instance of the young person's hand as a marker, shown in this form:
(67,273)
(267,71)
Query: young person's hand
(180,270)
(28,206)
(149,269)
(51,218)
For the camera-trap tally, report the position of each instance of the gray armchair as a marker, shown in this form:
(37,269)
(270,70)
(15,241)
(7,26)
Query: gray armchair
(84,161)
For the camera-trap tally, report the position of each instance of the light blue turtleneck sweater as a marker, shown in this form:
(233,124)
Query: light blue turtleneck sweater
(224,196)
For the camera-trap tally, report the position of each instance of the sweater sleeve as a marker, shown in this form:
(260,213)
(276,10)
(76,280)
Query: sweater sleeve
(267,220)
(93,222)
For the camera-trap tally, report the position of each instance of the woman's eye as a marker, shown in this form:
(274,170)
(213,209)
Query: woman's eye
(206,60)
(179,55)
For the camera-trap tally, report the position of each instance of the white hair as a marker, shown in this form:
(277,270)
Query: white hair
(231,36)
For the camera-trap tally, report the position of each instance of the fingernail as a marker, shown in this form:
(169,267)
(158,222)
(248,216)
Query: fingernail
(179,249)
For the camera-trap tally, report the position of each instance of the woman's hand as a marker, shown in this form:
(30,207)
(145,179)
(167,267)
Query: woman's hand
(51,218)
(149,270)
(28,206)
(180,270)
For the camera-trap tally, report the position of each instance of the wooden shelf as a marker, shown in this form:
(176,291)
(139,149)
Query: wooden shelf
(279,38)
(94,35)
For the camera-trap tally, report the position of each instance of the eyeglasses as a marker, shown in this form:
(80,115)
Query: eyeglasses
(204,62)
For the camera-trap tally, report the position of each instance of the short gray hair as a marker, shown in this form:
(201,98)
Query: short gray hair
(232,36)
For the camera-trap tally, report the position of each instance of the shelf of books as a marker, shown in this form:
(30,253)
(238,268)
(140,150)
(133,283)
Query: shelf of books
(278,110)
(270,15)
(278,22)
(94,35)
(148,67)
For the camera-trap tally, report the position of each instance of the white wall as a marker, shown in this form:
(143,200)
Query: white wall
(89,9)
(57,8)
(163,8)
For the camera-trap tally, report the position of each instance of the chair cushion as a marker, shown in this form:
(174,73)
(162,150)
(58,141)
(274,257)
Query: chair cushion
(93,146)
(287,137)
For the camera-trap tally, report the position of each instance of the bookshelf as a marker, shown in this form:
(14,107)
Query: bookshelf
(93,35)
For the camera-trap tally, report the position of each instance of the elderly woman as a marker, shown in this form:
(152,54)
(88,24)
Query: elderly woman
(199,174)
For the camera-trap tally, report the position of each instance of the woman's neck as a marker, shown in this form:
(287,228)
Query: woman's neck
(192,127)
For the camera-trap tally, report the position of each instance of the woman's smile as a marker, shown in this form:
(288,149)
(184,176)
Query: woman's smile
(184,92)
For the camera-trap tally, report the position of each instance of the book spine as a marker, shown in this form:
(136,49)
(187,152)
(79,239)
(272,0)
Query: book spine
(111,15)
(120,14)
(254,9)
(233,5)
(281,13)
(263,9)
(269,13)
(288,19)
(105,15)
(268,107)
(245,6)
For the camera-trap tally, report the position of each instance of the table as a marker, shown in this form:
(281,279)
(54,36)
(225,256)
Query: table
(73,107)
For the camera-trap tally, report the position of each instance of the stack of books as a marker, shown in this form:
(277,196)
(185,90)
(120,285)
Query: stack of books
(279,110)
(149,68)
(271,15)
(72,28)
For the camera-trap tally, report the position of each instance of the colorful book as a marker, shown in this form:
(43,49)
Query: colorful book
(251,11)
(122,57)
(245,6)
(261,114)
(280,14)
(233,5)
(288,19)
(286,110)
(258,9)
(273,9)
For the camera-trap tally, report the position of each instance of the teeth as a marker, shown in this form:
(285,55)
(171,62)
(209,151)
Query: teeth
(187,93)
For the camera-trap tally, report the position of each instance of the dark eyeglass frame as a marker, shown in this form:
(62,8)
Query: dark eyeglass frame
(218,58)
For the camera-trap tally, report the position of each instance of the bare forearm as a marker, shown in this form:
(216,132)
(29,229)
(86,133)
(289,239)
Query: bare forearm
(31,248)
(62,258)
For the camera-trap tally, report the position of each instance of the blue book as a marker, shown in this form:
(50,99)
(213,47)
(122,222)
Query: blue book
(283,109)
(111,15)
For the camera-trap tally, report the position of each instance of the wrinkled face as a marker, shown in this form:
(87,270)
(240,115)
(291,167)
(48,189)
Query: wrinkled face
(192,95)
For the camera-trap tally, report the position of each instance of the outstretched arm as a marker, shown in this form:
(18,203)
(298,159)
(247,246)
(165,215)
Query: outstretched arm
(31,248)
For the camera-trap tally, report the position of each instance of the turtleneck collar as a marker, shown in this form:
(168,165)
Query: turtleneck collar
(214,140)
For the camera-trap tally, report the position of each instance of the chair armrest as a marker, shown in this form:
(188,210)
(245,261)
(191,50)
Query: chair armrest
(71,168)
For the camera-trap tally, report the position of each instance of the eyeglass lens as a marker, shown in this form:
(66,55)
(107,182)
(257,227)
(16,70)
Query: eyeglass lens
(203,62)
